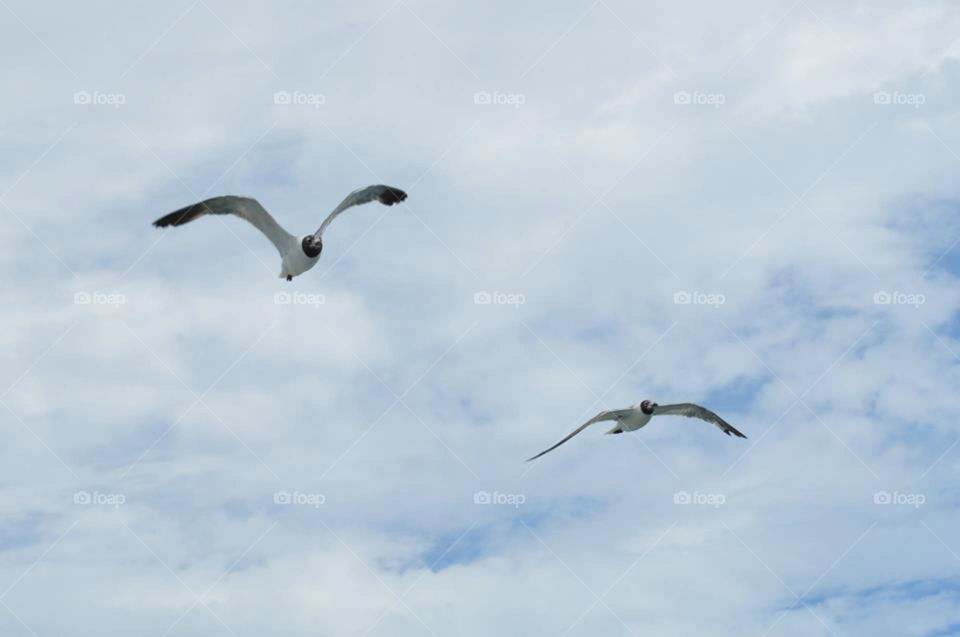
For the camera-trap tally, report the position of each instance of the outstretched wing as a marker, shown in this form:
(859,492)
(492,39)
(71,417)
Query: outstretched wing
(243,207)
(387,195)
(616,414)
(696,411)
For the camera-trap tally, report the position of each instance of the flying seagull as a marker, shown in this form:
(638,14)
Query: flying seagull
(637,416)
(299,254)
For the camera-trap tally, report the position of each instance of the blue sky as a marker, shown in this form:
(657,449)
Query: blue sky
(751,207)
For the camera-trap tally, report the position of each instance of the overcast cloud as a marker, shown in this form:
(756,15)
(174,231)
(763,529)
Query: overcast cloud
(751,205)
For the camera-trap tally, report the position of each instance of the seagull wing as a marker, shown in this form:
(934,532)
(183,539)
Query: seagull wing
(696,411)
(387,195)
(243,207)
(616,414)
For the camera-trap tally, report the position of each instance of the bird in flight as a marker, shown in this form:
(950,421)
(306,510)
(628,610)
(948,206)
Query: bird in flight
(299,254)
(637,416)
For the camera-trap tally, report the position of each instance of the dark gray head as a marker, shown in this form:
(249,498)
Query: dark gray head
(311,245)
(647,407)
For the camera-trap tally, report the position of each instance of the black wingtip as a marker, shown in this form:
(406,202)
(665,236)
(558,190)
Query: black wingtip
(189,213)
(178,217)
(391,196)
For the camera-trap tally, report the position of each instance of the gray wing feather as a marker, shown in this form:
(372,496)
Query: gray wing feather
(691,410)
(387,195)
(615,414)
(244,207)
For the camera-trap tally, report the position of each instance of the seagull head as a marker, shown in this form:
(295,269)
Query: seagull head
(312,245)
(647,407)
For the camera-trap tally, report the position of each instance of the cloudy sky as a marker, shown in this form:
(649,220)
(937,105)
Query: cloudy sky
(752,206)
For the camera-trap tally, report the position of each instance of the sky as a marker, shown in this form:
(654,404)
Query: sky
(752,206)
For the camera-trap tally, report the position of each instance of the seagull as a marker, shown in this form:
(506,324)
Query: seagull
(637,416)
(299,254)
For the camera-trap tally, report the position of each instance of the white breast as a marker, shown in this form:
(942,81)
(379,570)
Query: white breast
(635,420)
(295,262)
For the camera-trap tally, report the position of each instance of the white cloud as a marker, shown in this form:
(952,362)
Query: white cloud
(399,398)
